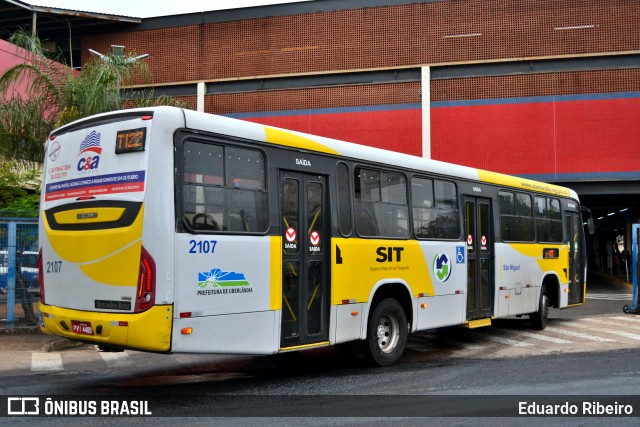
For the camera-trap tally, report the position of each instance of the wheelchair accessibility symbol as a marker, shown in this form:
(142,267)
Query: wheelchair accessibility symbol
(459,254)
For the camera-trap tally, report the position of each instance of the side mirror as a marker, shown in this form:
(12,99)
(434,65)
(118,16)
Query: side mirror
(590,226)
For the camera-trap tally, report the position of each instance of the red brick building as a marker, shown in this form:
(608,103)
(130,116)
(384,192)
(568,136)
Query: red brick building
(546,89)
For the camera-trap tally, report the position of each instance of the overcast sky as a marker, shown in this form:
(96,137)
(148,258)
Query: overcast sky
(146,9)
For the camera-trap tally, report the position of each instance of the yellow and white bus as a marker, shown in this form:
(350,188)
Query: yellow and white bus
(170,230)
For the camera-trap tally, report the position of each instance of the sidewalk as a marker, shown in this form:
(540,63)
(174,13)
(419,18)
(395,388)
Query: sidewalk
(29,338)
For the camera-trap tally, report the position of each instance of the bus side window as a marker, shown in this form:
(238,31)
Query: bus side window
(224,188)
(381,203)
(245,174)
(548,220)
(422,201)
(435,209)
(516,217)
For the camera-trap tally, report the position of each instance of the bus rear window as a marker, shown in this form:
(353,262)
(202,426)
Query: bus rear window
(223,189)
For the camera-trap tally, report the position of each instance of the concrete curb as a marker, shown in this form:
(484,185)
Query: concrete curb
(60,344)
(19,330)
(53,343)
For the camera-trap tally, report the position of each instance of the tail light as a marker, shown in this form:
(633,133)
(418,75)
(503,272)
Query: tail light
(40,276)
(145,296)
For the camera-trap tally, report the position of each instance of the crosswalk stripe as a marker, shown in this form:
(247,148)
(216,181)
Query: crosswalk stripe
(610,297)
(606,331)
(577,334)
(503,340)
(461,344)
(635,319)
(46,362)
(626,335)
(535,336)
(114,359)
(611,321)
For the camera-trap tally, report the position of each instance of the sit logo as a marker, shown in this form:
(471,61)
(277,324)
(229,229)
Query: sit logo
(90,151)
(442,267)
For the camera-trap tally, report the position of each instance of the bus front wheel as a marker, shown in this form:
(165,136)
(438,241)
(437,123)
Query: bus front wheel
(386,333)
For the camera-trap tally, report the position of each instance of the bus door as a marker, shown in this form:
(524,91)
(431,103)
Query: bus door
(479,241)
(576,256)
(305,260)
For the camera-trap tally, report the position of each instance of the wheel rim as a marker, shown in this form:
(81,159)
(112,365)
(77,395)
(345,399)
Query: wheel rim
(388,332)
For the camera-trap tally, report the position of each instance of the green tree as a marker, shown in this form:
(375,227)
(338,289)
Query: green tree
(30,101)
(14,184)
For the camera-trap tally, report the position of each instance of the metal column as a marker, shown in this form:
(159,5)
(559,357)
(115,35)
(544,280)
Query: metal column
(633,308)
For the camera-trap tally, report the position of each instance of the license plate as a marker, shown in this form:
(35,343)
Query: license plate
(82,328)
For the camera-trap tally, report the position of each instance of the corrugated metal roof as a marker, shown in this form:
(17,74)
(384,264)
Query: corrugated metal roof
(52,21)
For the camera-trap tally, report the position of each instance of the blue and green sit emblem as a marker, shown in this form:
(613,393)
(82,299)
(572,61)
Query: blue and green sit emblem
(442,267)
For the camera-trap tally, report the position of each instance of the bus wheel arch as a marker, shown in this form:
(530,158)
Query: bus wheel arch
(388,324)
(552,285)
(548,298)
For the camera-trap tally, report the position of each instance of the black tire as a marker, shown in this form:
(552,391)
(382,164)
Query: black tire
(540,317)
(386,333)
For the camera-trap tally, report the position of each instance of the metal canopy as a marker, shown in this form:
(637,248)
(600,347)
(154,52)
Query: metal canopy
(53,23)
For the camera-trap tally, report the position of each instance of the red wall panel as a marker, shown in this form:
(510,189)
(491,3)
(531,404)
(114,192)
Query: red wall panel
(551,138)
(396,130)
(556,140)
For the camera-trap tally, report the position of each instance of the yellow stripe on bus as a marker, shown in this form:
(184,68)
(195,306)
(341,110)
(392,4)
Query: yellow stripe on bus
(305,346)
(522,183)
(108,256)
(291,139)
(360,267)
(534,251)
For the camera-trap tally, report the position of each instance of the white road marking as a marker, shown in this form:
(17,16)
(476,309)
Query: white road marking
(605,331)
(534,336)
(629,318)
(114,359)
(46,362)
(468,346)
(502,340)
(610,297)
(578,334)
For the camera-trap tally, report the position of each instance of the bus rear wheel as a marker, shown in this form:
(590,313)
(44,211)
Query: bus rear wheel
(539,318)
(386,333)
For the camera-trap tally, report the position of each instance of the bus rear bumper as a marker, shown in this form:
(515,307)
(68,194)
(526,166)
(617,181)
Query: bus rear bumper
(149,330)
